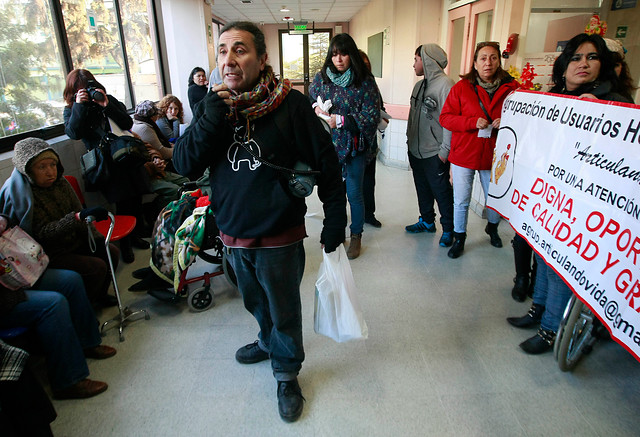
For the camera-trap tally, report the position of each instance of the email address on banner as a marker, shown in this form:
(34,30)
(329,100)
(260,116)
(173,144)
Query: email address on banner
(610,308)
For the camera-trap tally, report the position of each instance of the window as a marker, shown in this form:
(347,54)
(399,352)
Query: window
(42,41)
(302,56)
(31,73)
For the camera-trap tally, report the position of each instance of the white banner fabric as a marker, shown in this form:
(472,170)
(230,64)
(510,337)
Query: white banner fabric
(566,174)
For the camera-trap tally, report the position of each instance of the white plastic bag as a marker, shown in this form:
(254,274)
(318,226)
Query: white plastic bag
(337,313)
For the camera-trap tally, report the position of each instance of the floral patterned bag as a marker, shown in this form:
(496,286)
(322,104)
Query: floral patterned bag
(22,259)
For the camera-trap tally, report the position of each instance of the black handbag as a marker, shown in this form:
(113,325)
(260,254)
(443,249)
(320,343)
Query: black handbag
(125,150)
(95,166)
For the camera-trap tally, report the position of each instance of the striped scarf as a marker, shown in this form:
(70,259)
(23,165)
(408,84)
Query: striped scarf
(265,97)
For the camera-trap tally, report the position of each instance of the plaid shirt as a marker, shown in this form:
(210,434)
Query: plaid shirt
(12,361)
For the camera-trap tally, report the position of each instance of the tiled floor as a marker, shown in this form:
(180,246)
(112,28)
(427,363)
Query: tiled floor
(440,359)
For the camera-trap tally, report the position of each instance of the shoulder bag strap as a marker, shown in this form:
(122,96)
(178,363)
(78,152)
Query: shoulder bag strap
(482,105)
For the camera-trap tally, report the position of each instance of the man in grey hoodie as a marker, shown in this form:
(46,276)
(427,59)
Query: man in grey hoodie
(429,143)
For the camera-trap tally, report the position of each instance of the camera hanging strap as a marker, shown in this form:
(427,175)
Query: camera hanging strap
(274,166)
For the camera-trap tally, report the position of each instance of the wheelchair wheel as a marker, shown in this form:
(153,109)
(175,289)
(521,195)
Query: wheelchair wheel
(200,299)
(228,271)
(574,336)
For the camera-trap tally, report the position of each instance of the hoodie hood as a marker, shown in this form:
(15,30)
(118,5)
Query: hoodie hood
(25,151)
(434,60)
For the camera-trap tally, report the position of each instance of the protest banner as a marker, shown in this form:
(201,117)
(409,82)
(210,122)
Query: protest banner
(566,174)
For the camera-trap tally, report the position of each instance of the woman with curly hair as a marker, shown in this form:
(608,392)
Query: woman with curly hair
(172,116)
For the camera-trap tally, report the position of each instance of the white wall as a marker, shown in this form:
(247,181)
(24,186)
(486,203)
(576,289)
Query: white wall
(185,27)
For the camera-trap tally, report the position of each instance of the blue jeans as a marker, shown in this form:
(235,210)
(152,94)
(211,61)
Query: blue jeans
(552,292)
(269,280)
(462,186)
(355,176)
(64,323)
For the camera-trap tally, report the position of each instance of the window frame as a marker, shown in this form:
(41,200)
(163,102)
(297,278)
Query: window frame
(66,63)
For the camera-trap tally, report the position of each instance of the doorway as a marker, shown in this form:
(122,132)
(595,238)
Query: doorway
(468,25)
(302,56)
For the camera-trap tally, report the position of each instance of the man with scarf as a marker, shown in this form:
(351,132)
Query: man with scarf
(253,115)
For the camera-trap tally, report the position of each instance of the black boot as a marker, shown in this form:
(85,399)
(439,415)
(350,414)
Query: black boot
(522,257)
(492,230)
(532,318)
(458,244)
(520,288)
(539,343)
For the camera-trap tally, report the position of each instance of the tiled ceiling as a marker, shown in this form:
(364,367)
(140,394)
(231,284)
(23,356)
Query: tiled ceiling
(268,11)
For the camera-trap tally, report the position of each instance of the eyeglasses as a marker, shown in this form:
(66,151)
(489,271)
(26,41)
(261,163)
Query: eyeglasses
(494,44)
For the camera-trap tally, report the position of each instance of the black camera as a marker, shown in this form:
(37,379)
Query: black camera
(302,180)
(93,92)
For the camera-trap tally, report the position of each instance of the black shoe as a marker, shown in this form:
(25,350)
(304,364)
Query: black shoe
(373,221)
(492,230)
(520,289)
(147,283)
(290,400)
(251,354)
(540,343)
(139,243)
(458,245)
(529,320)
(142,273)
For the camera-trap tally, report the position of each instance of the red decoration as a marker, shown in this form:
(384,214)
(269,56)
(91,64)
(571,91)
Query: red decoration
(526,78)
(595,26)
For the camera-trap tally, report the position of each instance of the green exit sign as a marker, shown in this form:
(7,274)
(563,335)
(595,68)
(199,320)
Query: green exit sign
(299,27)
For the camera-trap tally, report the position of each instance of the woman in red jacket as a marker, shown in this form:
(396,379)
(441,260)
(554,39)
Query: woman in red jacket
(472,114)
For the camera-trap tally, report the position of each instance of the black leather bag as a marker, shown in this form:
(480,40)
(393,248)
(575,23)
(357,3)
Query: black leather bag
(127,151)
(95,167)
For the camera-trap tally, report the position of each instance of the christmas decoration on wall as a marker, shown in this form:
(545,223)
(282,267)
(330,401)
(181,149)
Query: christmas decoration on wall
(595,26)
(526,77)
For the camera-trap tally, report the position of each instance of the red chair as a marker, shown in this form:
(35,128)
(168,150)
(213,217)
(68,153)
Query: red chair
(124,224)
(114,228)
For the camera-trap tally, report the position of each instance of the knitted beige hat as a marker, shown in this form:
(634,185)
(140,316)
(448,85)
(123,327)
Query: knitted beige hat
(29,150)
(615,46)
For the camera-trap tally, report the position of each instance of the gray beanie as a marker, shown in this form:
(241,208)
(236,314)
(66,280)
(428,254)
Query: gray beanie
(26,152)
(146,109)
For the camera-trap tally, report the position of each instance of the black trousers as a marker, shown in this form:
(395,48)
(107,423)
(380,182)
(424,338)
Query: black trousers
(368,189)
(431,178)
(25,408)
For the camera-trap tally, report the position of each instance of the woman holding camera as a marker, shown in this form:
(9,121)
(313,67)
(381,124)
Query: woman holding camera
(88,116)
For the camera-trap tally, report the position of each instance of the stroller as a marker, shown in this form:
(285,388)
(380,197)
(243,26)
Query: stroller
(184,231)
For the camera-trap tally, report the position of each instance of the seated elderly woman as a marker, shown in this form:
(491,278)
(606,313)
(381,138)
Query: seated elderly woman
(164,183)
(39,199)
(171,116)
(57,310)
